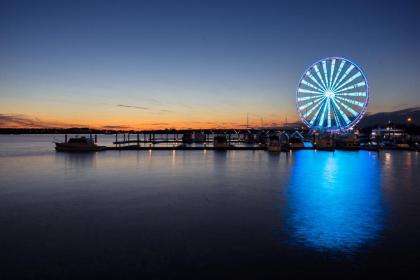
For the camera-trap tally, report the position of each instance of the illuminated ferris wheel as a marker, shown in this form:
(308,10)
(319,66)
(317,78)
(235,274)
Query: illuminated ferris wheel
(332,95)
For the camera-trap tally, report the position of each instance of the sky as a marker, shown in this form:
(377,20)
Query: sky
(194,64)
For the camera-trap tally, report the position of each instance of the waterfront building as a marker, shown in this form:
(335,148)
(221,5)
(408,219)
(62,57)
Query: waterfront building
(390,137)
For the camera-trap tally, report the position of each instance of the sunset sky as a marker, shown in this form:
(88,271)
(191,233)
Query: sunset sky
(193,64)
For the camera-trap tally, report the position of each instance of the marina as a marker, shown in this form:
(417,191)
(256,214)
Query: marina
(269,140)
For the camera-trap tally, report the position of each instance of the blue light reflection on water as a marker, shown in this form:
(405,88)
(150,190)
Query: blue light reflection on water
(334,200)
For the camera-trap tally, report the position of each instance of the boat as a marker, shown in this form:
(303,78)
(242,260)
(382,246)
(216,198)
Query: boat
(261,138)
(78,144)
(296,141)
(278,142)
(249,138)
(347,141)
(199,137)
(220,142)
(324,142)
(274,144)
(187,138)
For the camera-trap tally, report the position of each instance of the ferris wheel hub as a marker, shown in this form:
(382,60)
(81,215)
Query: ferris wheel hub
(329,94)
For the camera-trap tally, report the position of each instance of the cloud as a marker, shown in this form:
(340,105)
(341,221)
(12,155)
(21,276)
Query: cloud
(154,101)
(185,105)
(162,123)
(23,121)
(133,107)
(115,127)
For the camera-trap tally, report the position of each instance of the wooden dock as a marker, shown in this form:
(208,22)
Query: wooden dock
(186,148)
(238,148)
(169,142)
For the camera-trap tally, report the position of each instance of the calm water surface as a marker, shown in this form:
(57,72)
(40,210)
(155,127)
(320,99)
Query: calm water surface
(206,214)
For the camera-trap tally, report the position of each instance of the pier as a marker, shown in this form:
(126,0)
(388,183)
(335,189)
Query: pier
(273,140)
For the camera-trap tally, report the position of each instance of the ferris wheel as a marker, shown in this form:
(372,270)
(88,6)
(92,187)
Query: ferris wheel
(332,95)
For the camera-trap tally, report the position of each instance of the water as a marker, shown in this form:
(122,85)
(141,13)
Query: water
(206,214)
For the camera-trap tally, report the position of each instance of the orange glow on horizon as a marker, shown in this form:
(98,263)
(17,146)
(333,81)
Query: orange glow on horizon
(24,121)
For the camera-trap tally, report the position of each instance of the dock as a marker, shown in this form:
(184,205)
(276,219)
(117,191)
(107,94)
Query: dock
(185,148)
(236,140)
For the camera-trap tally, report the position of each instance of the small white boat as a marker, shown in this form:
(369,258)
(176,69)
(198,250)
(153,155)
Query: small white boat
(78,144)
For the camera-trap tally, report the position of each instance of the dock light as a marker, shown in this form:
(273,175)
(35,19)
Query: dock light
(409,119)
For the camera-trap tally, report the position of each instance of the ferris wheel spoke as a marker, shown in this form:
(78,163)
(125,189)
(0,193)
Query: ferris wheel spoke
(320,77)
(321,120)
(340,68)
(315,80)
(324,67)
(357,93)
(311,85)
(308,98)
(329,113)
(355,76)
(336,116)
(315,117)
(351,67)
(346,119)
(349,109)
(303,107)
(302,90)
(354,102)
(332,72)
(360,84)
(318,103)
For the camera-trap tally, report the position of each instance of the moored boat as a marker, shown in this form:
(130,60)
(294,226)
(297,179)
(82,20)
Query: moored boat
(324,142)
(274,144)
(78,144)
(220,142)
(347,141)
(296,141)
(187,138)
(199,137)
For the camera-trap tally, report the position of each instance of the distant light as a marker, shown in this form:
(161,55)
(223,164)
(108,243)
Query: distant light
(409,119)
